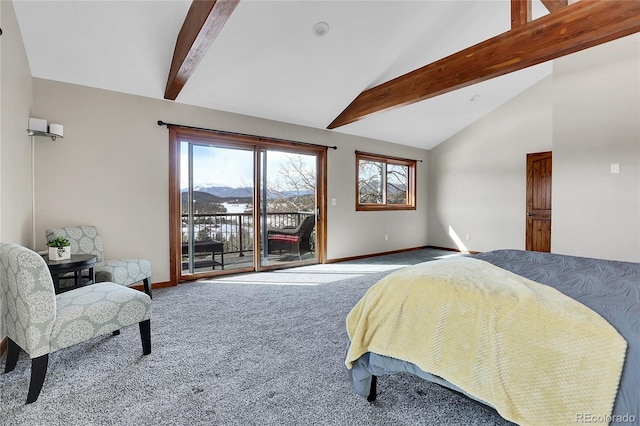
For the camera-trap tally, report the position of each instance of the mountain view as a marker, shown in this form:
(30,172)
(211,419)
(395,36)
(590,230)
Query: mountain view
(225,191)
(215,199)
(205,202)
(229,194)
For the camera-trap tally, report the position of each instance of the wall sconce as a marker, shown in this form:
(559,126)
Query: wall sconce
(38,127)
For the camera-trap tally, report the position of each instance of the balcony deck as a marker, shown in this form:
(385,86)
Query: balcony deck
(234,261)
(235,232)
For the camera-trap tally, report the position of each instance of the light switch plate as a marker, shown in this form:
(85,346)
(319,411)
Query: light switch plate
(615,168)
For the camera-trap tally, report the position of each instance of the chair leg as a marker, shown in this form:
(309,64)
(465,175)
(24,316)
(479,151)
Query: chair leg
(13,351)
(147,286)
(38,371)
(145,336)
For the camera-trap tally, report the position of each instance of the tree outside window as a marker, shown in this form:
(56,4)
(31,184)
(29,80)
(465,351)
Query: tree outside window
(384,183)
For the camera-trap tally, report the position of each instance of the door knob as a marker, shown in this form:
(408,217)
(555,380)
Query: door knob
(529,214)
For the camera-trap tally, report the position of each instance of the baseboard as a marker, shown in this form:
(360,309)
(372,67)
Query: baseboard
(153,285)
(453,249)
(3,345)
(364,256)
(342,259)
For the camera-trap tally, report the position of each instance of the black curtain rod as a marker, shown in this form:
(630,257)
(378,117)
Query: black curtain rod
(261,138)
(387,156)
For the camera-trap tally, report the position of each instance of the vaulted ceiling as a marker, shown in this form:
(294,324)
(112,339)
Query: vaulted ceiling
(267,61)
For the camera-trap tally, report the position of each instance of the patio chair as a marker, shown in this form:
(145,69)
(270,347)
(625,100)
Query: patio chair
(40,322)
(294,240)
(87,240)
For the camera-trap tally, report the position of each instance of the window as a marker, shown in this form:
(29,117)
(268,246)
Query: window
(385,183)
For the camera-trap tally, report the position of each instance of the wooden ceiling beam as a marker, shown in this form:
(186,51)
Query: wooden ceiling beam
(553,5)
(202,25)
(520,12)
(576,27)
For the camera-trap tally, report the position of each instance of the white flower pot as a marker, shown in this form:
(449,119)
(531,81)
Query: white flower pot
(59,253)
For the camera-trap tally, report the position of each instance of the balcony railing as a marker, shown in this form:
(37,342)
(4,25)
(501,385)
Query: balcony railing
(235,230)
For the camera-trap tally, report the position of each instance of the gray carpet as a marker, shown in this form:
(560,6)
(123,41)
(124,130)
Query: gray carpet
(257,349)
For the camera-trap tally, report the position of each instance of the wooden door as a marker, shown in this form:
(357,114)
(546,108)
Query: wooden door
(538,232)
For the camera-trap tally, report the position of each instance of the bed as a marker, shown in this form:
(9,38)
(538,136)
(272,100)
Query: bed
(610,290)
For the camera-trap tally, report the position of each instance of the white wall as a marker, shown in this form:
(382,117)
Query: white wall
(111,170)
(15,147)
(477,177)
(596,120)
(353,233)
(587,113)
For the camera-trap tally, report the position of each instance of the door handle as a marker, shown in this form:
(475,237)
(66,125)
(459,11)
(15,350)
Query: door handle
(529,214)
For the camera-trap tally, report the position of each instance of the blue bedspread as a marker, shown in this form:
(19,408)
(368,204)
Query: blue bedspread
(610,288)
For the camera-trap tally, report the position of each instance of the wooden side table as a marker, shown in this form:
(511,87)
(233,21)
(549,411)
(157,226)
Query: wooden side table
(76,264)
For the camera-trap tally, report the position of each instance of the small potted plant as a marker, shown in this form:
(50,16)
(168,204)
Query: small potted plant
(59,249)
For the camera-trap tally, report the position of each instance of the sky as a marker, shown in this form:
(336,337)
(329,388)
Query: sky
(215,166)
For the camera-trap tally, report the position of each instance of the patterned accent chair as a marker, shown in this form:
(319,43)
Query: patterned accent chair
(40,322)
(87,240)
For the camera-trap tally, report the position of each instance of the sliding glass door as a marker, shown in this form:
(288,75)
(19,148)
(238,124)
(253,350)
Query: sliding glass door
(241,205)
(216,198)
(288,207)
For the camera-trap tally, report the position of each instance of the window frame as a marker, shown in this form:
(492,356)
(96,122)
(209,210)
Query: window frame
(255,143)
(387,160)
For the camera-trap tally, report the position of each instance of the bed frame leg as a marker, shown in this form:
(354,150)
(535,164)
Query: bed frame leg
(372,390)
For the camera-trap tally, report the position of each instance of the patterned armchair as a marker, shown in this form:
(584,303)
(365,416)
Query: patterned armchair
(40,322)
(87,240)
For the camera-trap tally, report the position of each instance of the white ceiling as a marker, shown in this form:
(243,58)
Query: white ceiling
(267,62)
